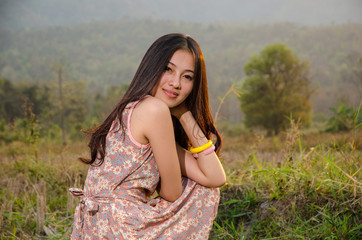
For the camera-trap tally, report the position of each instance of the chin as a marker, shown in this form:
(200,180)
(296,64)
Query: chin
(171,105)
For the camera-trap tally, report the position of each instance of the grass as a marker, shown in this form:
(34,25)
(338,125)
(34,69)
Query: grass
(34,200)
(279,189)
(292,186)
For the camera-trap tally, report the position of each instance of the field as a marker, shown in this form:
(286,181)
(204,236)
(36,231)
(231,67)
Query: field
(292,186)
(300,184)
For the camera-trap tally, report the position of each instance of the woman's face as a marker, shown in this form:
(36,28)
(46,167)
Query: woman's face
(177,81)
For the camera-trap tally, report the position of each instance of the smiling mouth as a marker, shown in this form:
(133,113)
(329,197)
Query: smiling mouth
(170,94)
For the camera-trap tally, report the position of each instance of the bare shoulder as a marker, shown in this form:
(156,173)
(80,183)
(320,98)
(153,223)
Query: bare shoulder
(151,112)
(149,117)
(151,107)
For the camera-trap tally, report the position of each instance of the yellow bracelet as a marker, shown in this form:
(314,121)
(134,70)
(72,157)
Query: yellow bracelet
(201,148)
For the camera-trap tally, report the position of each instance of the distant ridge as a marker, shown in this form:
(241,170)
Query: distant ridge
(19,14)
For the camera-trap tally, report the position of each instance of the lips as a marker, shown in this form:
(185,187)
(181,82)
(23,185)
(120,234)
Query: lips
(170,94)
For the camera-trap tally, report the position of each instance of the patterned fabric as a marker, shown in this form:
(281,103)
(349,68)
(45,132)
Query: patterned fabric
(117,202)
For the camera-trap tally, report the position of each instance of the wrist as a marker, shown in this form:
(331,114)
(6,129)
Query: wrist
(184,117)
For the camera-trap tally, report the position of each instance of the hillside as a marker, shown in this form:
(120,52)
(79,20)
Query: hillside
(106,54)
(44,13)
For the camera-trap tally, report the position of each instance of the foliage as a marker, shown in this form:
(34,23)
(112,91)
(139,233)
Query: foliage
(276,87)
(344,118)
(14,98)
(25,106)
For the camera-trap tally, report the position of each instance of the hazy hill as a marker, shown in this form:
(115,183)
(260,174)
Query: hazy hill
(105,54)
(15,14)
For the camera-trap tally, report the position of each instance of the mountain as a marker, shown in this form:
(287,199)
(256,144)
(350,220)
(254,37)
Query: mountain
(18,14)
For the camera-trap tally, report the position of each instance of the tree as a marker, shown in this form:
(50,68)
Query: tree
(59,70)
(350,84)
(11,101)
(276,87)
(70,106)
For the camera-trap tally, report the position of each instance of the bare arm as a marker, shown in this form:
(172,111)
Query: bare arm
(152,120)
(206,169)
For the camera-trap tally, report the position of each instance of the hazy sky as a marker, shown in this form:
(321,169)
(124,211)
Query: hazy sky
(38,13)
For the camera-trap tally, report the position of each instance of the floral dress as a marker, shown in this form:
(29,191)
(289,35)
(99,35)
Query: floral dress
(117,202)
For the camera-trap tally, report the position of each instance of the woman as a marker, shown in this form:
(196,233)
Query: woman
(142,147)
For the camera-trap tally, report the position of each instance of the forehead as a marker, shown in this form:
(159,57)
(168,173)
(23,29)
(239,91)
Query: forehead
(183,58)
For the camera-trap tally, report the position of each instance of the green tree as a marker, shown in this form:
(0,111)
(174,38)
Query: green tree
(11,101)
(14,99)
(276,87)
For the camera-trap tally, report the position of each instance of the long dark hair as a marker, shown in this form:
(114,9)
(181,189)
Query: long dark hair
(147,76)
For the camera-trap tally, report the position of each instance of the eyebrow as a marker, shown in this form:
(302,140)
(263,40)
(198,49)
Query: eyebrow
(187,70)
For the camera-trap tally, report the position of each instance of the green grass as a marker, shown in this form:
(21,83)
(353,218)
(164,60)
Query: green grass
(286,187)
(293,193)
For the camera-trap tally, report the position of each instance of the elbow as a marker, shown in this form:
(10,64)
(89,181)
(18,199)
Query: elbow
(218,182)
(221,183)
(172,199)
(171,196)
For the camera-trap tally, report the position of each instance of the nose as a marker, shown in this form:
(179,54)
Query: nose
(175,82)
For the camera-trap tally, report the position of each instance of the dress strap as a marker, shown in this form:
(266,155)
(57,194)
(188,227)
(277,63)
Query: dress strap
(130,111)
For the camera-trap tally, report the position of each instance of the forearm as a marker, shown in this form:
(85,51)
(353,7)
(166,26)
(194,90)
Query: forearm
(209,165)
(192,129)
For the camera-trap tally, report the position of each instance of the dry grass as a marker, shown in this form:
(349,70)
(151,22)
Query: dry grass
(34,198)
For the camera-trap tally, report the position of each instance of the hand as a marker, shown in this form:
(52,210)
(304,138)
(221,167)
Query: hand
(179,110)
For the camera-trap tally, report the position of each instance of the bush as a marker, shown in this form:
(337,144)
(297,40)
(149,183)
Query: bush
(345,118)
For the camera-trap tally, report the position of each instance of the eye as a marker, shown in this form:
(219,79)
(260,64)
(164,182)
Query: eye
(189,77)
(167,68)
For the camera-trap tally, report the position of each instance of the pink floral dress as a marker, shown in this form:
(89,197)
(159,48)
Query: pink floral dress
(116,202)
